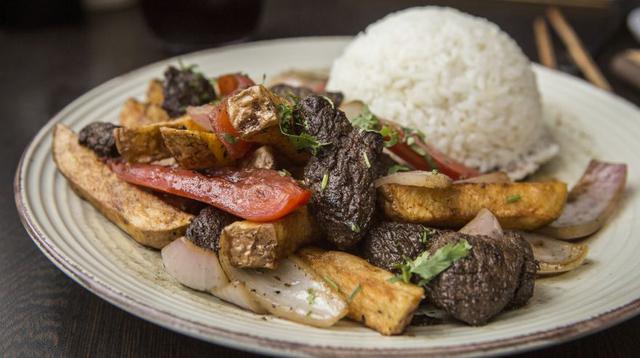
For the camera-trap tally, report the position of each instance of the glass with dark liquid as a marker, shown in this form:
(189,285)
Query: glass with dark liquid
(189,24)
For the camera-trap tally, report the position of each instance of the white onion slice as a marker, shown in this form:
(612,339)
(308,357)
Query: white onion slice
(591,201)
(202,116)
(485,223)
(200,269)
(417,178)
(555,256)
(495,177)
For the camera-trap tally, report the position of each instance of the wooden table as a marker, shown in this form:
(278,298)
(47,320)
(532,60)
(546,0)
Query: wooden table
(43,312)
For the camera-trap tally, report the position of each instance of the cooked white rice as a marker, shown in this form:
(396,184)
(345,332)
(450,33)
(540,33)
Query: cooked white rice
(460,79)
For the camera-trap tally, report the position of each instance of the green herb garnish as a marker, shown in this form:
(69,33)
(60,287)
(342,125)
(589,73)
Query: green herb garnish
(288,126)
(311,296)
(354,293)
(426,235)
(332,283)
(366,159)
(513,198)
(427,266)
(398,168)
(367,121)
(355,228)
(230,138)
(325,181)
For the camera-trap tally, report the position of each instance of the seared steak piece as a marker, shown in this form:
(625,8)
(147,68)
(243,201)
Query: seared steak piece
(205,229)
(388,243)
(98,136)
(341,175)
(286,91)
(185,87)
(497,274)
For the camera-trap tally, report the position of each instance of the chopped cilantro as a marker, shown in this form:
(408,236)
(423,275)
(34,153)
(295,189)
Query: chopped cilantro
(398,168)
(311,296)
(325,181)
(288,126)
(366,159)
(427,266)
(230,138)
(426,235)
(332,283)
(513,198)
(354,293)
(367,121)
(355,228)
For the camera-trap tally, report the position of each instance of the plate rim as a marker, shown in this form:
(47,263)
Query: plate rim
(258,344)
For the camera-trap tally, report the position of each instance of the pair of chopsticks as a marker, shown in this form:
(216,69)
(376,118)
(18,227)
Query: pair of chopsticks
(575,47)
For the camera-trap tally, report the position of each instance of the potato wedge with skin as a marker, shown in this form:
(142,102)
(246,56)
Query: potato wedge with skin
(144,144)
(155,93)
(136,114)
(146,218)
(373,300)
(253,112)
(523,206)
(262,245)
(195,149)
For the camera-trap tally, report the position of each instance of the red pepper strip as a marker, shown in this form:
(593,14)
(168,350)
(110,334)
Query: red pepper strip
(411,157)
(227,84)
(445,164)
(253,194)
(218,119)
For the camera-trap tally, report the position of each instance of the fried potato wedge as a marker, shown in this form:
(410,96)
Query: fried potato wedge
(262,245)
(523,206)
(373,300)
(146,218)
(155,93)
(144,144)
(136,114)
(254,114)
(195,149)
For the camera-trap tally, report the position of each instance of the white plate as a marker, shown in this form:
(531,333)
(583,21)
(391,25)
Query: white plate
(76,238)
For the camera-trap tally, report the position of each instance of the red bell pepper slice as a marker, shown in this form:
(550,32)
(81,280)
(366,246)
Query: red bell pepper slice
(253,194)
(227,84)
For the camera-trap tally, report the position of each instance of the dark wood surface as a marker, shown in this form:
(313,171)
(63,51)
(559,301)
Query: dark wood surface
(43,312)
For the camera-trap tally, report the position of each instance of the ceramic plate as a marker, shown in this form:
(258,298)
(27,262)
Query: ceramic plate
(76,238)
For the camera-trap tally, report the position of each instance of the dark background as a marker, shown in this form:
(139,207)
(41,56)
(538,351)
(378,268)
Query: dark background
(52,51)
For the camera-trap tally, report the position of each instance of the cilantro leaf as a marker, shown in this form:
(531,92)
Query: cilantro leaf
(288,126)
(368,121)
(398,168)
(427,266)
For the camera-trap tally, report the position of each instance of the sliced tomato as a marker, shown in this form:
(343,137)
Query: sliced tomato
(252,194)
(445,164)
(219,122)
(227,84)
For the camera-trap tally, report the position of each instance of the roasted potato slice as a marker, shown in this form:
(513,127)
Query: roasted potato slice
(146,218)
(524,206)
(195,149)
(155,93)
(253,112)
(262,245)
(136,114)
(144,144)
(373,300)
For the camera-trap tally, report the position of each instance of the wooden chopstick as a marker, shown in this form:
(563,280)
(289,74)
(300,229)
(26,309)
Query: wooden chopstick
(580,56)
(543,41)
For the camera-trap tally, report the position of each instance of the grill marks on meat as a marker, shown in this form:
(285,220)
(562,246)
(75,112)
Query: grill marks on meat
(498,274)
(205,229)
(345,207)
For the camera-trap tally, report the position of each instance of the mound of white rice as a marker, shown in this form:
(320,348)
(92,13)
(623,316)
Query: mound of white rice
(460,79)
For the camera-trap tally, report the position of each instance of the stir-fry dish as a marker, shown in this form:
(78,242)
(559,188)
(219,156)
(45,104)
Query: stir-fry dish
(285,200)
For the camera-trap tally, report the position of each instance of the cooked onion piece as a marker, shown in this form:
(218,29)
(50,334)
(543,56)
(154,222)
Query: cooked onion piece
(485,223)
(495,177)
(199,269)
(431,180)
(353,109)
(555,256)
(292,291)
(591,201)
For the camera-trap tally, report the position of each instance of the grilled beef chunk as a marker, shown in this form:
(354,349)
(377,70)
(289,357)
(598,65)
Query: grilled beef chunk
(497,274)
(286,91)
(344,203)
(185,87)
(98,136)
(388,243)
(205,229)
